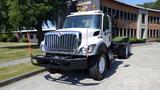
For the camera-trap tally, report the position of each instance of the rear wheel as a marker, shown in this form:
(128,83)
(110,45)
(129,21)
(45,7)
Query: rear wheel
(130,51)
(99,69)
(125,52)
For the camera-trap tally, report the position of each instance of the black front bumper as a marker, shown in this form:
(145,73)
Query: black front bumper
(77,63)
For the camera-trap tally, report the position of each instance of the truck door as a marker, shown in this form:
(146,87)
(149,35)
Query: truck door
(107,35)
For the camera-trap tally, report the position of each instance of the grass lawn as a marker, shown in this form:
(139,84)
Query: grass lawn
(11,51)
(13,44)
(12,71)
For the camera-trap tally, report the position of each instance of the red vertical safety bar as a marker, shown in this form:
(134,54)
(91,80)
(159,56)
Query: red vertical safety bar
(29,44)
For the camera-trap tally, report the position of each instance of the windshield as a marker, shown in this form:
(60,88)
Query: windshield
(83,21)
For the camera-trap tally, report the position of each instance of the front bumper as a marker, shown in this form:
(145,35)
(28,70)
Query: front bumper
(78,63)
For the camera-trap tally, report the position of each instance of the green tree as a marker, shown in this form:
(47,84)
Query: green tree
(4,24)
(157,5)
(32,14)
(153,5)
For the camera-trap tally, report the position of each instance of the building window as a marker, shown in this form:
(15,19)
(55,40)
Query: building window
(20,36)
(31,36)
(125,15)
(117,32)
(129,16)
(113,12)
(117,13)
(104,9)
(132,16)
(151,35)
(148,33)
(109,11)
(154,33)
(101,7)
(121,14)
(131,33)
(155,19)
(125,32)
(157,33)
(106,23)
(128,32)
(158,20)
(135,17)
(121,32)
(135,32)
(143,18)
(149,19)
(142,33)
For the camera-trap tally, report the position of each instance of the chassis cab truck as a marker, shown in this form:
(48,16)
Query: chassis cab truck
(84,43)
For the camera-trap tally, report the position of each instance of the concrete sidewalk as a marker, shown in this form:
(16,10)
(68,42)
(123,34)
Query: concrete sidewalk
(14,62)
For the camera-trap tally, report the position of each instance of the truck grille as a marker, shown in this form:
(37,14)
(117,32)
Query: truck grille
(64,42)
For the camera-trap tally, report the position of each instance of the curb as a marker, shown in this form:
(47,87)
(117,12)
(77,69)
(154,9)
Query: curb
(143,44)
(20,77)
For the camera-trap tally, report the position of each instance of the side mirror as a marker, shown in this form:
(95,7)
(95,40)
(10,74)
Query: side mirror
(106,23)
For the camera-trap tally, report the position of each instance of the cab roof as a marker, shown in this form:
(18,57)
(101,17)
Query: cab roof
(86,13)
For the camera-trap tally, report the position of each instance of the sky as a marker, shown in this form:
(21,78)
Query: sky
(135,2)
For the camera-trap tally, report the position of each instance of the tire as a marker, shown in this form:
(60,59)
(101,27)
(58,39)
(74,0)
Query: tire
(51,70)
(110,58)
(99,69)
(130,50)
(126,52)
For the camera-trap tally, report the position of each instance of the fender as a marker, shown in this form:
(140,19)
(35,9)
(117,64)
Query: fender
(100,47)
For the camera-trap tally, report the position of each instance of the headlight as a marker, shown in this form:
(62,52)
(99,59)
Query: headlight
(42,47)
(88,49)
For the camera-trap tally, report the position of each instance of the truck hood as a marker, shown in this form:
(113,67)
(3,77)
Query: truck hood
(87,34)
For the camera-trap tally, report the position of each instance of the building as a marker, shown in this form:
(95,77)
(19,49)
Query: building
(32,34)
(132,21)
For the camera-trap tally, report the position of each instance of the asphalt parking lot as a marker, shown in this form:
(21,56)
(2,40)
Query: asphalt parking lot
(140,72)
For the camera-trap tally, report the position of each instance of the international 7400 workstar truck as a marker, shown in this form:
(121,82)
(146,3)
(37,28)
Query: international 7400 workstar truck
(84,42)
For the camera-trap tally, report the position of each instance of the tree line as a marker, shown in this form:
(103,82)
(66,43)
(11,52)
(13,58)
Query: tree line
(30,14)
(152,5)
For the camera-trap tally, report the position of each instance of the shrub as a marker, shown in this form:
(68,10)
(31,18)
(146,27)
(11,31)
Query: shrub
(158,40)
(135,40)
(3,37)
(12,38)
(24,40)
(130,40)
(120,39)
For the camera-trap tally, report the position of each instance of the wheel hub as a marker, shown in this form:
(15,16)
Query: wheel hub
(102,64)
(127,51)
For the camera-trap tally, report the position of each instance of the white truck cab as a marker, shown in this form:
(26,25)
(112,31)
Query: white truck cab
(92,28)
(84,42)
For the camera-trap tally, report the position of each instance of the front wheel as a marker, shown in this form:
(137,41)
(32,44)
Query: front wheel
(99,69)
(51,70)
